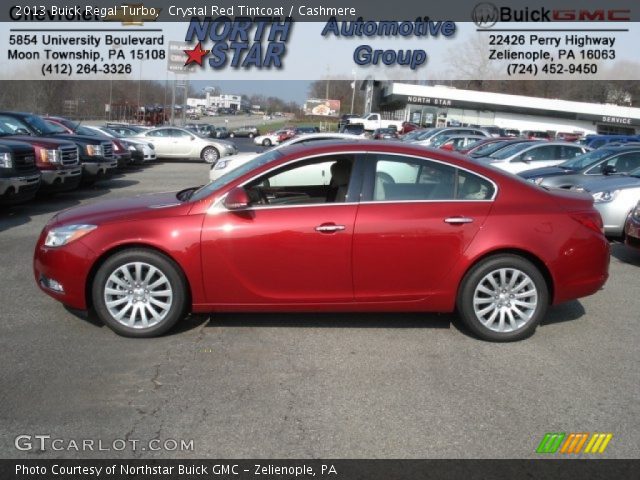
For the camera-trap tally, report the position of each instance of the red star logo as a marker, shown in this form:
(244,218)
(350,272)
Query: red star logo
(195,55)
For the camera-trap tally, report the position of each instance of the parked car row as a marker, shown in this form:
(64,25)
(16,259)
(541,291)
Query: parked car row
(39,158)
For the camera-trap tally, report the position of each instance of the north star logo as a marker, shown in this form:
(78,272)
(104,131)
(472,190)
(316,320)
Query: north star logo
(133,14)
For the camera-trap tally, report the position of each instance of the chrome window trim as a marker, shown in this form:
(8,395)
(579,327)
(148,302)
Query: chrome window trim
(217,204)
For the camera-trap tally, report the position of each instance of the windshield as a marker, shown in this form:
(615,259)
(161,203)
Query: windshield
(88,131)
(38,125)
(510,150)
(488,148)
(426,133)
(55,128)
(236,173)
(110,132)
(586,160)
(13,126)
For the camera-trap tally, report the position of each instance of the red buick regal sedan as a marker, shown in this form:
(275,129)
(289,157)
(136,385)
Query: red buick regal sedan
(364,226)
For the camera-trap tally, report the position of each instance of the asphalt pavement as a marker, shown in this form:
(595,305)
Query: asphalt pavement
(306,385)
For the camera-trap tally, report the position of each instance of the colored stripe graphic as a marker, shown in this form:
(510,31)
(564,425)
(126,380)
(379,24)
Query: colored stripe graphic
(550,443)
(573,443)
(598,443)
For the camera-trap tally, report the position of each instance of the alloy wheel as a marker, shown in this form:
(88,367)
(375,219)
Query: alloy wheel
(138,295)
(505,300)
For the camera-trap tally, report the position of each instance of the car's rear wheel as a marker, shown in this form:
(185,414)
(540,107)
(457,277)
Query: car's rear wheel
(503,298)
(232,134)
(210,155)
(266,142)
(251,135)
(139,293)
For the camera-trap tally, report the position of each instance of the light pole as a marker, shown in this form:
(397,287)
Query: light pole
(353,92)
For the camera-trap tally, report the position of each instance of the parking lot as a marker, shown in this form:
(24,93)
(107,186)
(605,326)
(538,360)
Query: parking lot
(307,385)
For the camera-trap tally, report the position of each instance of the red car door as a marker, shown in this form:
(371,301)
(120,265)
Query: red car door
(418,222)
(294,252)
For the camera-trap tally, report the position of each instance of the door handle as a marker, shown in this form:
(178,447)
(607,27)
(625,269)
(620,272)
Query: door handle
(458,220)
(329,228)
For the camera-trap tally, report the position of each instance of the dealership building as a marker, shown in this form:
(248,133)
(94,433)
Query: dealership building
(438,106)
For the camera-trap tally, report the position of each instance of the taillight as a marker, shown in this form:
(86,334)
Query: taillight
(591,220)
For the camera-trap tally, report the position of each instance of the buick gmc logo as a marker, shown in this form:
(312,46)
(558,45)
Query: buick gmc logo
(486,15)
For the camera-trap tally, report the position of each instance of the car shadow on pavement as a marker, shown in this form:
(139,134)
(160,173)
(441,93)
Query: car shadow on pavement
(625,254)
(328,320)
(565,312)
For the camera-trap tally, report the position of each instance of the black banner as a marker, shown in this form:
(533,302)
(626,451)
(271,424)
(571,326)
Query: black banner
(270,469)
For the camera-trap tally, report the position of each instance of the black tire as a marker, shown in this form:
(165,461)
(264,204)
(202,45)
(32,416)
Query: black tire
(210,155)
(232,135)
(251,135)
(266,142)
(474,277)
(165,265)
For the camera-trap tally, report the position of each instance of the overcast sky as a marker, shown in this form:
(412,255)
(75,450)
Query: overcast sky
(288,90)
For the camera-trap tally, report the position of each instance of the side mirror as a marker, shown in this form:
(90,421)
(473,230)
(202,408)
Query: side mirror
(527,158)
(609,170)
(237,199)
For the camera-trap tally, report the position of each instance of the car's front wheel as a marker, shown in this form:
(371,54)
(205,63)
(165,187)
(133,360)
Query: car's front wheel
(139,293)
(232,134)
(266,142)
(210,155)
(251,135)
(503,298)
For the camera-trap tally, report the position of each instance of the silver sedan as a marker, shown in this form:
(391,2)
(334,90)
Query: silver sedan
(175,142)
(614,198)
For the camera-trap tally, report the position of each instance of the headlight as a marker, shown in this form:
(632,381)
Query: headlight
(66,234)
(50,156)
(94,150)
(605,197)
(151,146)
(5,160)
(536,180)
(221,164)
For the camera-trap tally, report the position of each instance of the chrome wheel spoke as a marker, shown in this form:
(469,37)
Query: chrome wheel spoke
(138,295)
(115,303)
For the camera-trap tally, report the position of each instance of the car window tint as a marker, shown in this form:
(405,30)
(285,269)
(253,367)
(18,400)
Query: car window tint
(401,178)
(157,133)
(320,180)
(473,187)
(55,128)
(623,163)
(538,154)
(568,151)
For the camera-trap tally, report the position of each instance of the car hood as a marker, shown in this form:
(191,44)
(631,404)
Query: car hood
(44,142)
(123,209)
(545,172)
(611,183)
(83,139)
(133,141)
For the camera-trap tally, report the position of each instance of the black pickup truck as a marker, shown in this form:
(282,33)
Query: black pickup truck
(19,176)
(96,155)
